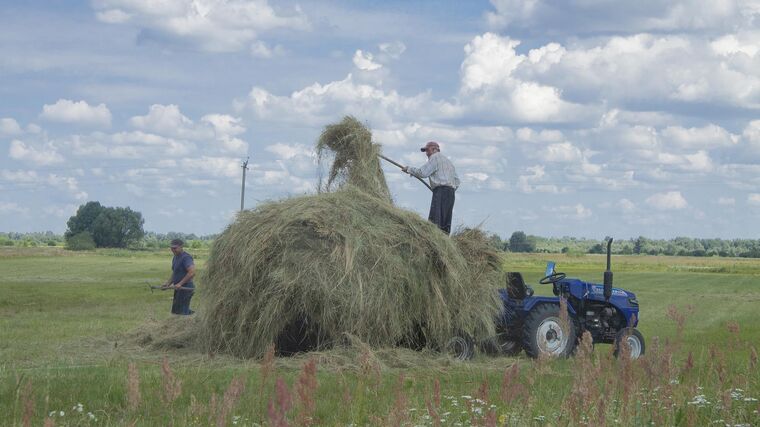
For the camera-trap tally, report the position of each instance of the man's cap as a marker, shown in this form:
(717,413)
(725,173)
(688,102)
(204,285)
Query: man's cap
(175,243)
(431,144)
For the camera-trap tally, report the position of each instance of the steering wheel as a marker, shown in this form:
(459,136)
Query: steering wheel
(552,278)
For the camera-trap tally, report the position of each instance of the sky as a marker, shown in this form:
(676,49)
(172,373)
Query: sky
(584,118)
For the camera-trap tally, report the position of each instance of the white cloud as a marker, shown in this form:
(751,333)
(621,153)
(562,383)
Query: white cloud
(318,104)
(79,112)
(168,120)
(577,211)
(671,200)
(532,182)
(9,126)
(228,167)
(48,155)
(544,135)
(260,49)
(61,211)
(626,205)
(364,61)
(491,85)
(165,120)
(584,16)
(392,49)
(508,11)
(113,16)
(564,152)
(605,69)
(753,199)
(710,136)
(31,178)
(214,25)
(12,208)
(288,151)
(726,201)
(730,45)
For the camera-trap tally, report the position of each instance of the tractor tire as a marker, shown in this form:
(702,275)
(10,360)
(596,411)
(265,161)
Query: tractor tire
(502,344)
(544,334)
(460,348)
(509,347)
(633,338)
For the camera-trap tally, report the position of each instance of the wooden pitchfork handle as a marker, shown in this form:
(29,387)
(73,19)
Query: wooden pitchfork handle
(166,288)
(401,167)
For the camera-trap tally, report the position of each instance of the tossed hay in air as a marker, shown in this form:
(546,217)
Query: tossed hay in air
(308,272)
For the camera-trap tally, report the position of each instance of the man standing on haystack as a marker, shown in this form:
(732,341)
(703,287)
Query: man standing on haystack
(444,182)
(183,271)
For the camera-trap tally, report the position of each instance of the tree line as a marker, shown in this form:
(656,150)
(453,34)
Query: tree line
(678,246)
(97,226)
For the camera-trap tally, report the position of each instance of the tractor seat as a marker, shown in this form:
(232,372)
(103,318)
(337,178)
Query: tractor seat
(516,287)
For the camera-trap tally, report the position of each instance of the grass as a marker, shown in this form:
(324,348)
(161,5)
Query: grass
(65,318)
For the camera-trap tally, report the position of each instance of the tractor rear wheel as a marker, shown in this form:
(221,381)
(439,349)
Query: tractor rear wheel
(633,339)
(460,348)
(545,333)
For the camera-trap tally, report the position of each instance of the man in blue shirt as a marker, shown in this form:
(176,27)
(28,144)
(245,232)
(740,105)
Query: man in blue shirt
(444,182)
(183,271)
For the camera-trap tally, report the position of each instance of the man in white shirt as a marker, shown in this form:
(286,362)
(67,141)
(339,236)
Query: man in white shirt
(444,182)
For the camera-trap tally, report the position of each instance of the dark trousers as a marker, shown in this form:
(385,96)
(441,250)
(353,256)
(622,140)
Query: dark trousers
(181,302)
(441,207)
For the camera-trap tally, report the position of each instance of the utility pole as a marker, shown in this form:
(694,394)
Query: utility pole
(242,192)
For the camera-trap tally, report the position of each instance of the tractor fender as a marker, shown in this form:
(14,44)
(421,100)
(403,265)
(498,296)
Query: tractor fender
(534,301)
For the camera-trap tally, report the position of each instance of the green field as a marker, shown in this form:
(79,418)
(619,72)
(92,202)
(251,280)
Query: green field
(66,323)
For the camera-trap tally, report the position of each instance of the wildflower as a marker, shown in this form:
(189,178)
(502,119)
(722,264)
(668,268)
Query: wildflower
(466,397)
(91,416)
(503,419)
(61,413)
(79,408)
(540,418)
(750,399)
(51,414)
(700,400)
(675,381)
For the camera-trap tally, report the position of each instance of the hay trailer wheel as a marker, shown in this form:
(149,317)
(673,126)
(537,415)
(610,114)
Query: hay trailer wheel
(633,338)
(545,334)
(460,347)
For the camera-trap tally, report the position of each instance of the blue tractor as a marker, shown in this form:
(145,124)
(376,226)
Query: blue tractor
(535,324)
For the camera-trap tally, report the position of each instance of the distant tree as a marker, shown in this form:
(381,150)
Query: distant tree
(519,242)
(639,245)
(80,242)
(597,248)
(495,241)
(83,219)
(108,227)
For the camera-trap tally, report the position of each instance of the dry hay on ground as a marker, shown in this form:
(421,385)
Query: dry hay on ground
(307,271)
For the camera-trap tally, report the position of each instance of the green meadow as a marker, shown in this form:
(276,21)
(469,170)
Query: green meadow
(69,356)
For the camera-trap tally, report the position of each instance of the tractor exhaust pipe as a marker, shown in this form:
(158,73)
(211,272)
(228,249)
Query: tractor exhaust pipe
(608,272)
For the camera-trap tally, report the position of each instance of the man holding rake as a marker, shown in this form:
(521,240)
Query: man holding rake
(181,280)
(443,181)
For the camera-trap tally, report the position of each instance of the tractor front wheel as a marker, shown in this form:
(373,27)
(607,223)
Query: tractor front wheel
(632,339)
(546,333)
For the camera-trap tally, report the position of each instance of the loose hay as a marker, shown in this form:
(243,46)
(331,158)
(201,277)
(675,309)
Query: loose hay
(305,272)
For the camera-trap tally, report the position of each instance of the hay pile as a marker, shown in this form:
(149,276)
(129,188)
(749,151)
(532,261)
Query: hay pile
(306,272)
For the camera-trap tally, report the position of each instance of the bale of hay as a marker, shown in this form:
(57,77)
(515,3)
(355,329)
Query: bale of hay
(305,271)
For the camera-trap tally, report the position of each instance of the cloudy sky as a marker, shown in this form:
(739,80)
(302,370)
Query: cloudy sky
(578,118)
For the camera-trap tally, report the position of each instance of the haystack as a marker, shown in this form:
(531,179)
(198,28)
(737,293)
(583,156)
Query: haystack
(306,272)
